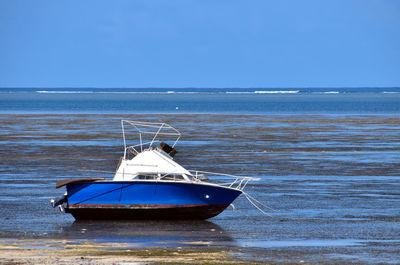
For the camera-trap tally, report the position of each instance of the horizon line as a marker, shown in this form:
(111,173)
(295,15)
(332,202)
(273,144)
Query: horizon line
(322,87)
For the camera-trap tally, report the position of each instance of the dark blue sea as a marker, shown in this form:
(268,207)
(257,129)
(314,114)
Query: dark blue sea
(328,160)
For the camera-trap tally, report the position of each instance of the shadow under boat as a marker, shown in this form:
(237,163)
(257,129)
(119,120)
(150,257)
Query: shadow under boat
(150,233)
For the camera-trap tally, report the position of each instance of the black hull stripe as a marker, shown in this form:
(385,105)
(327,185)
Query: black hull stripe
(146,212)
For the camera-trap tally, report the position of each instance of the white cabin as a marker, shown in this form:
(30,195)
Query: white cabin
(151,164)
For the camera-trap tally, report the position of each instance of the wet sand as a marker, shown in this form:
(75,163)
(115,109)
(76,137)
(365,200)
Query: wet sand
(75,252)
(334,178)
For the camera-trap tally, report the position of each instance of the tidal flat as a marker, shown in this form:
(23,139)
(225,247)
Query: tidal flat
(333,179)
(73,252)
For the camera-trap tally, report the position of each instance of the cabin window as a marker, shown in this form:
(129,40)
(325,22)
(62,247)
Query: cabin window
(172,177)
(161,177)
(147,177)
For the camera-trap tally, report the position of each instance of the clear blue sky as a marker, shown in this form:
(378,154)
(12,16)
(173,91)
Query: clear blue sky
(202,43)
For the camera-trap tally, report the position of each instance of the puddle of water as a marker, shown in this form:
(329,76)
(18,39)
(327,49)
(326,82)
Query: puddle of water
(301,243)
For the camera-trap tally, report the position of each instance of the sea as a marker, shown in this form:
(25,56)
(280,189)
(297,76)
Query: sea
(327,159)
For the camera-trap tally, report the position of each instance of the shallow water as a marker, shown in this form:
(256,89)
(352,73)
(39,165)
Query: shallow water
(334,179)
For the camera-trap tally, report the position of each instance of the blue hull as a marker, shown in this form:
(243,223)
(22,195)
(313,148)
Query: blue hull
(147,200)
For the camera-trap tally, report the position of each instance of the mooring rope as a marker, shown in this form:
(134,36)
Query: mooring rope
(261,210)
(240,212)
(253,201)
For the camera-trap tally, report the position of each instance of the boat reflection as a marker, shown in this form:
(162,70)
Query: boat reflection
(168,233)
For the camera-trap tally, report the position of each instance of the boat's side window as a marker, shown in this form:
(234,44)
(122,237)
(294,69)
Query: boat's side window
(172,177)
(167,177)
(146,177)
(179,177)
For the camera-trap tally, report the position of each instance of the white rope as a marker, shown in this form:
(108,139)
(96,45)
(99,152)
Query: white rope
(261,210)
(253,202)
(237,210)
(269,208)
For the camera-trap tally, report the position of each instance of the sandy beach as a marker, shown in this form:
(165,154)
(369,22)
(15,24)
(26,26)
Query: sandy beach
(50,251)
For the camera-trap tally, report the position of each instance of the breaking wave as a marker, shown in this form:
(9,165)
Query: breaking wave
(277,92)
(63,92)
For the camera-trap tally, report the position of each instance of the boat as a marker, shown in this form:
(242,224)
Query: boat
(149,184)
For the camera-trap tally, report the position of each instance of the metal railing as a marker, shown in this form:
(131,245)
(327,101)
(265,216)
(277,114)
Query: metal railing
(150,131)
(238,182)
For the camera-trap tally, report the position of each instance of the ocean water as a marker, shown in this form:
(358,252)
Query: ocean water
(328,161)
(191,100)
